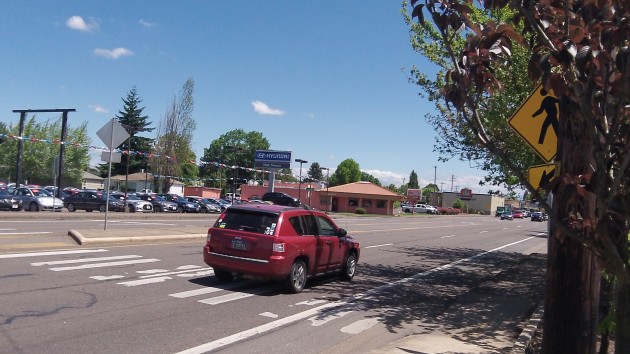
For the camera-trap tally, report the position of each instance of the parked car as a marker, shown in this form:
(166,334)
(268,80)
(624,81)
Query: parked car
(507,215)
(91,200)
(159,204)
(538,216)
(220,202)
(232,196)
(280,199)
(36,199)
(183,204)
(9,202)
(517,214)
(420,208)
(134,203)
(206,205)
(279,243)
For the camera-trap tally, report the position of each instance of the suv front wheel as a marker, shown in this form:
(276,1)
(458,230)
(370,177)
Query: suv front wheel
(350,267)
(296,280)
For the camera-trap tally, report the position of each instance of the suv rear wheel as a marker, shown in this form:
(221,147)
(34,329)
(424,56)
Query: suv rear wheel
(350,267)
(223,275)
(296,280)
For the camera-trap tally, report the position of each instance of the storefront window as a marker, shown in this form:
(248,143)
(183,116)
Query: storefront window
(366,203)
(381,203)
(353,202)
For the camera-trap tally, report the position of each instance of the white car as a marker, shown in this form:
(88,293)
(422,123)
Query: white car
(37,198)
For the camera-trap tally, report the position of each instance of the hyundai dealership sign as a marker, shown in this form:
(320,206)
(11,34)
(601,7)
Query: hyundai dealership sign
(272,159)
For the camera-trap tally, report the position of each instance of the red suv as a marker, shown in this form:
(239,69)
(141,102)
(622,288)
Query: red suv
(279,243)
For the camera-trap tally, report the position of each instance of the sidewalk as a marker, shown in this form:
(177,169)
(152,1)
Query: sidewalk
(498,316)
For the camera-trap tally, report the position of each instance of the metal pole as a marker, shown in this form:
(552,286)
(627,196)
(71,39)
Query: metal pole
(18,177)
(300,182)
(62,151)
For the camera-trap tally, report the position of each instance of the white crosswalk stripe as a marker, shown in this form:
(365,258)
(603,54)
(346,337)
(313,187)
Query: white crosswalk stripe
(106,264)
(84,260)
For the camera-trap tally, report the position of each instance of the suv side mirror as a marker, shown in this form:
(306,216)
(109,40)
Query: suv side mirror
(342,232)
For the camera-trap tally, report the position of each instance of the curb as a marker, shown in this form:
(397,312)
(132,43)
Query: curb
(81,240)
(527,334)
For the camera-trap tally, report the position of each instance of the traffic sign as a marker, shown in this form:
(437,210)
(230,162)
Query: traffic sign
(541,175)
(536,121)
(112,134)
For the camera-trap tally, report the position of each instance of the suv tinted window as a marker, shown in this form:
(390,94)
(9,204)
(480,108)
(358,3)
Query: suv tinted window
(251,221)
(325,227)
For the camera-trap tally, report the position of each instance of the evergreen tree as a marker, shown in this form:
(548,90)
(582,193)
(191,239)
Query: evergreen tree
(413,181)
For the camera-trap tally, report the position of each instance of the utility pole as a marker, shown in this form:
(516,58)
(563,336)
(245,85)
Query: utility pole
(452,180)
(435,176)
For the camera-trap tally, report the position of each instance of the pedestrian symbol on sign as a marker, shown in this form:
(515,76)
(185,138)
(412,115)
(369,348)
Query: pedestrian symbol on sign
(548,105)
(536,121)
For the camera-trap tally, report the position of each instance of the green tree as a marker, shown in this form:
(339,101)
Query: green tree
(369,178)
(39,153)
(413,181)
(218,159)
(458,204)
(427,190)
(315,173)
(173,142)
(579,50)
(348,171)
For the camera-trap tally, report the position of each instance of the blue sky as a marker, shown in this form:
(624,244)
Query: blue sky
(326,80)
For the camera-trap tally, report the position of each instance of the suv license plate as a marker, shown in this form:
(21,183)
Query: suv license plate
(239,245)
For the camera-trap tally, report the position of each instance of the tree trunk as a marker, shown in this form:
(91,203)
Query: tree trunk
(622,318)
(573,272)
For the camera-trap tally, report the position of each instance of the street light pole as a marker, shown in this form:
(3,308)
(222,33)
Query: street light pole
(236,150)
(327,184)
(300,184)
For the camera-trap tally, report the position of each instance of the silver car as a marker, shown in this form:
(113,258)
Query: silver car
(37,198)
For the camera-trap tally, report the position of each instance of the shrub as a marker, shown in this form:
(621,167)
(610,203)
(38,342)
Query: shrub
(360,211)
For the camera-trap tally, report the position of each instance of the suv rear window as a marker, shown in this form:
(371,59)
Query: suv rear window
(248,220)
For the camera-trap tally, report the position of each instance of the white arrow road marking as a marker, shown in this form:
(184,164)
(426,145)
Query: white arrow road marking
(383,245)
(268,314)
(318,321)
(239,295)
(104,277)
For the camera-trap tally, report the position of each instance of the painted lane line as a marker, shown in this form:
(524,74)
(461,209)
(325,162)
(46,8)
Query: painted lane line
(237,337)
(317,321)
(482,232)
(107,264)
(105,277)
(53,253)
(152,271)
(383,245)
(169,273)
(239,295)
(26,233)
(209,290)
(447,236)
(198,274)
(84,260)
(147,223)
(268,314)
(360,326)
(144,281)
(190,266)
(8,229)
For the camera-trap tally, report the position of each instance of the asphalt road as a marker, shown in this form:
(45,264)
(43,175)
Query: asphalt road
(163,299)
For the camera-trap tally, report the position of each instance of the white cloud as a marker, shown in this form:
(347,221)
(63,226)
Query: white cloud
(98,108)
(146,24)
(387,177)
(79,24)
(262,108)
(114,53)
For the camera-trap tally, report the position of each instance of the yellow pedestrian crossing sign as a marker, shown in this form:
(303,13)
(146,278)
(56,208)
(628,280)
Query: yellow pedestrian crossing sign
(536,121)
(541,175)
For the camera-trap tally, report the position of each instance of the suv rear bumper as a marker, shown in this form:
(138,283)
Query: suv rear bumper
(276,267)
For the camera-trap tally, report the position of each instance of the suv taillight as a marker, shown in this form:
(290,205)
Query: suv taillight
(278,247)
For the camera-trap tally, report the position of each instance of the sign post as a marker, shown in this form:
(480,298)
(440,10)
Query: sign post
(112,134)
(272,160)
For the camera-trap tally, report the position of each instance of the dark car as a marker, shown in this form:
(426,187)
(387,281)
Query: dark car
(507,215)
(278,243)
(91,200)
(183,205)
(9,202)
(538,216)
(206,205)
(280,199)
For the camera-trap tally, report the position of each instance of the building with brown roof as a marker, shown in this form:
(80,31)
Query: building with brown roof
(345,198)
